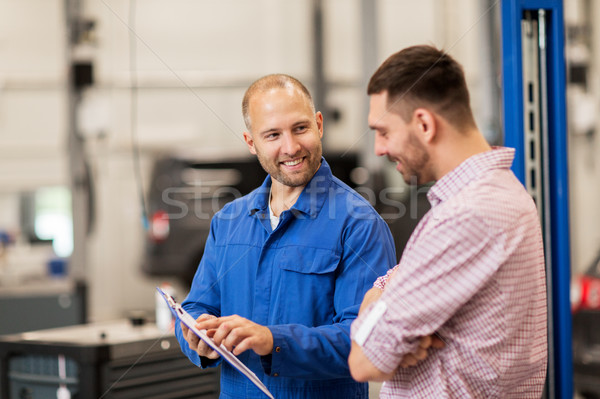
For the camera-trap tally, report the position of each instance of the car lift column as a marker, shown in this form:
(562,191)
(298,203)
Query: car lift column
(535,125)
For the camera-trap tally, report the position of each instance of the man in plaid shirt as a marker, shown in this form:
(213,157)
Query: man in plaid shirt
(472,274)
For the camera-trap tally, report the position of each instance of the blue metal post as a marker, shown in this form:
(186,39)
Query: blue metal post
(561,383)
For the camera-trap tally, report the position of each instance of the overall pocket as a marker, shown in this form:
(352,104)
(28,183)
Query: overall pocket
(308,278)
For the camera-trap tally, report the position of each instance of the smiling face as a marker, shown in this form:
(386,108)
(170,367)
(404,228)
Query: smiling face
(286,135)
(399,141)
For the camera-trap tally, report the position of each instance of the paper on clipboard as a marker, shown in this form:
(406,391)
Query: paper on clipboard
(190,322)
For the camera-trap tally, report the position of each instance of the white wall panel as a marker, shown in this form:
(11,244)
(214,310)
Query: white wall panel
(32,119)
(404,23)
(342,42)
(32,94)
(116,281)
(347,134)
(229,39)
(32,38)
(33,139)
(171,119)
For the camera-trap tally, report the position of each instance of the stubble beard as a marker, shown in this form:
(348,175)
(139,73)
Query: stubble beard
(274,169)
(415,166)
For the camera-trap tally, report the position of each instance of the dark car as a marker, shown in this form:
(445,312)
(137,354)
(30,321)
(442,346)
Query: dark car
(585,300)
(185,193)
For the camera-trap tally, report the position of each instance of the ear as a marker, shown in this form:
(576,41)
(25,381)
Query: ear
(425,123)
(319,120)
(249,142)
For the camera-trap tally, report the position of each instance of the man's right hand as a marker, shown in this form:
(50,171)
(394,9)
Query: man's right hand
(195,343)
(430,341)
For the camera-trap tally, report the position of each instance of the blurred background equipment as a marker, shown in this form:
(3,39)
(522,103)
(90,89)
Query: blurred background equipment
(116,360)
(45,304)
(585,301)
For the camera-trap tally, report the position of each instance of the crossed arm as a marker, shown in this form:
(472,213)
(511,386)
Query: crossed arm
(239,334)
(361,367)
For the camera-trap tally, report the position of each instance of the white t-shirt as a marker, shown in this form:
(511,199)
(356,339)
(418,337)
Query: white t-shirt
(274,219)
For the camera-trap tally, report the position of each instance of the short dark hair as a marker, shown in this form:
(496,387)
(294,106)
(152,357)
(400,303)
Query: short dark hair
(424,76)
(267,82)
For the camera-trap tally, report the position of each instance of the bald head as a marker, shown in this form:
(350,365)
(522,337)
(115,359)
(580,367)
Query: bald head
(275,81)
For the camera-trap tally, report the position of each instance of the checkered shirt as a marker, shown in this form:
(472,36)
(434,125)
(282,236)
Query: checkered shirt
(473,273)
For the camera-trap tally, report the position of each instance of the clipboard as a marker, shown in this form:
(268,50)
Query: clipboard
(190,322)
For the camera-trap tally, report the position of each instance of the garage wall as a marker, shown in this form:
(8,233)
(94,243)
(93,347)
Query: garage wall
(193,60)
(32,118)
(32,94)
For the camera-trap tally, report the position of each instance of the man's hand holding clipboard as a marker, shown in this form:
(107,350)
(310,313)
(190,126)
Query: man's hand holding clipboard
(195,343)
(216,350)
